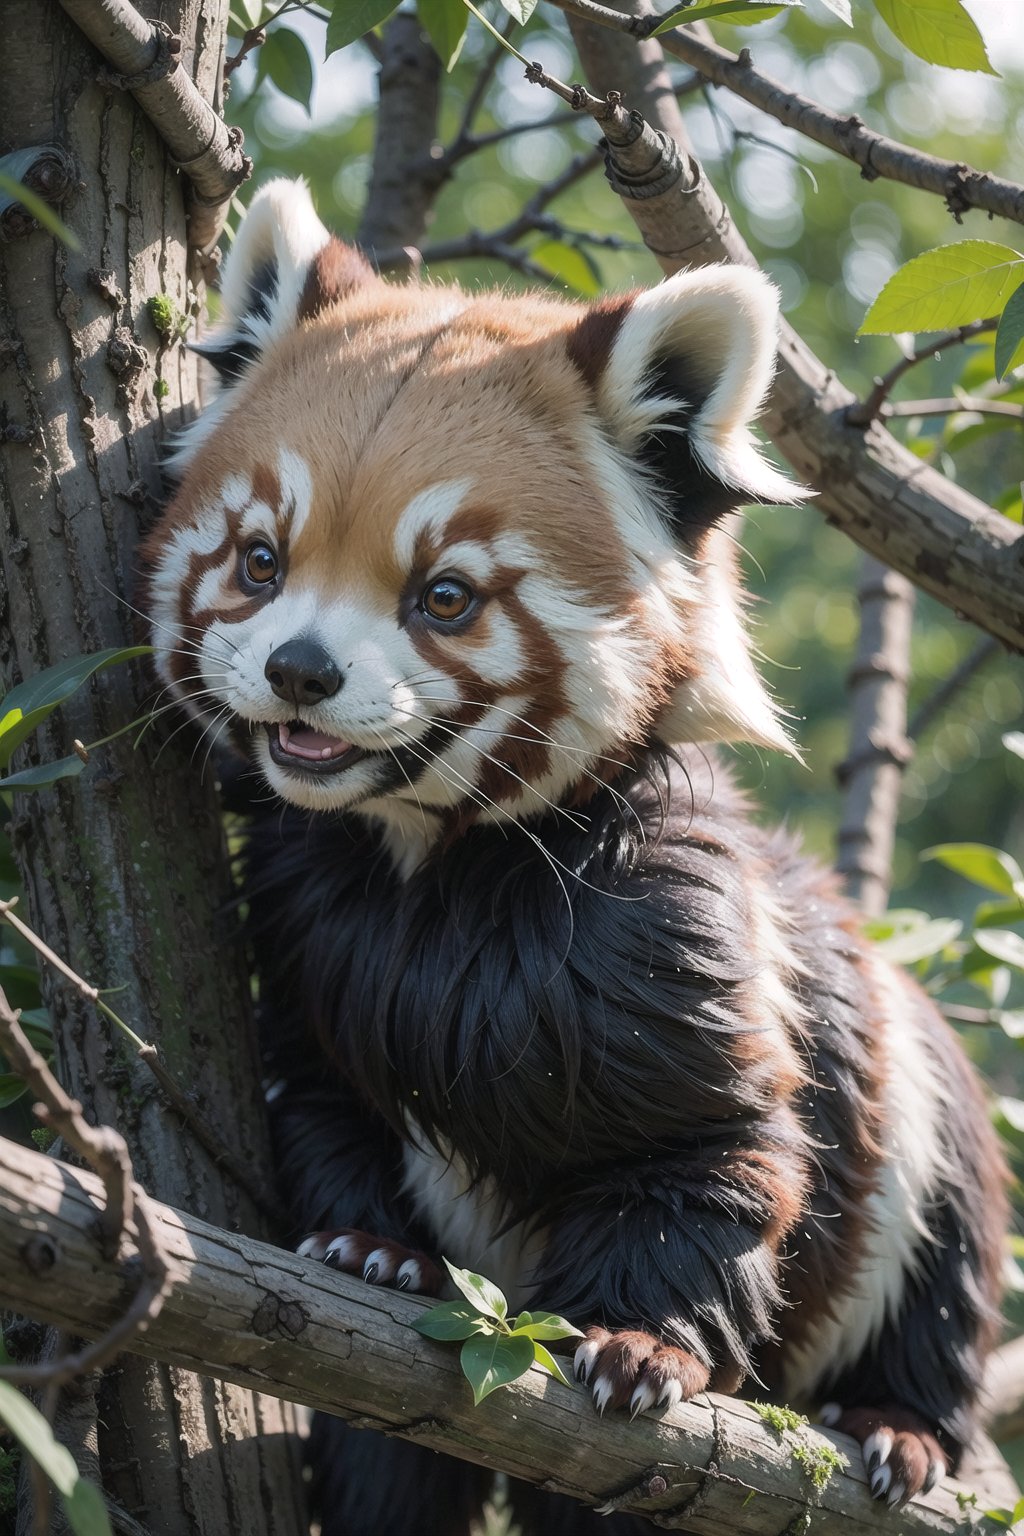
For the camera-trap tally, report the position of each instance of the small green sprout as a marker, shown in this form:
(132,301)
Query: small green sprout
(167,320)
(161,389)
(495,1351)
(780,1418)
(819,1461)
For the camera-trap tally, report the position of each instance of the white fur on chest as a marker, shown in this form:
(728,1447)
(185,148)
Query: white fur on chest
(468,1224)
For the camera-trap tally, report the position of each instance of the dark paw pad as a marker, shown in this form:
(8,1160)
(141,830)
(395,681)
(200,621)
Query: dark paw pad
(636,1370)
(901,1454)
(376,1259)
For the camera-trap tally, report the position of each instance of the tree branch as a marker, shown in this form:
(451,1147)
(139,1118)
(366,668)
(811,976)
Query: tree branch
(895,507)
(872,774)
(865,411)
(262,1317)
(404,184)
(960,187)
(145,57)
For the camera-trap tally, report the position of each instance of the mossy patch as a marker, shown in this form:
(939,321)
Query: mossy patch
(780,1418)
(820,1463)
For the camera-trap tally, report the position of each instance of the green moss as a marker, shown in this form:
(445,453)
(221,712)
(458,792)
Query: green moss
(966,1500)
(780,1418)
(820,1463)
(161,389)
(43,1137)
(168,322)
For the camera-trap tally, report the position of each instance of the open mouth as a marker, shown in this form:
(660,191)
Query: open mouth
(297,745)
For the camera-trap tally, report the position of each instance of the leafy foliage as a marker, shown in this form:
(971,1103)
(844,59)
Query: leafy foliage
(938,31)
(83,1503)
(495,1351)
(947,287)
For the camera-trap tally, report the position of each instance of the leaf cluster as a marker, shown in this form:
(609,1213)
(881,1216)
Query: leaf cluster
(496,1350)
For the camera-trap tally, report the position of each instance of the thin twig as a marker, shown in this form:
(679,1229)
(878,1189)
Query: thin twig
(126,1212)
(949,404)
(951,686)
(864,412)
(960,187)
(148,1053)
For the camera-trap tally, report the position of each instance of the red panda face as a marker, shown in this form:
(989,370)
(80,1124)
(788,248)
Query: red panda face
(434,552)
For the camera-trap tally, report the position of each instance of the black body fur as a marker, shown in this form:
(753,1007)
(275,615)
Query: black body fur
(588,1040)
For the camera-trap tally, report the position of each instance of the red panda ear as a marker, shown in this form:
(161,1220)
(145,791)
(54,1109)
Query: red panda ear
(678,373)
(284,267)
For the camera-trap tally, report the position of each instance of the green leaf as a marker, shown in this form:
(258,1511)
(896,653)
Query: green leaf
(544,1325)
(1010,334)
(1003,945)
(83,1503)
(842,9)
(547,1361)
(949,286)
(1011,1022)
(520,10)
(909,945)
(565,264)
(11,1088)
(40,210)
(45,774)
(713,10)
(350,19)
(285,58)
(938,31)
(451,1320)
(978,862)
(493,1361)
(996,914)
(445,21)
(39,696)
(479,1291)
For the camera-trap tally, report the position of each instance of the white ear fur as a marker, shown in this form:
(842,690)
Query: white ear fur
(722,323)
(282,229)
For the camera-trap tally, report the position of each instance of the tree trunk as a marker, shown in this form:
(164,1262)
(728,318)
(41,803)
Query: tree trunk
(125,869)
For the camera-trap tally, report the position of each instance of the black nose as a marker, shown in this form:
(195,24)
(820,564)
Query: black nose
(301,672)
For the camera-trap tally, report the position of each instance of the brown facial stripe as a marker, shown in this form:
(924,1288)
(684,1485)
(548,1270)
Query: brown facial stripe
(335,271)
(590,343)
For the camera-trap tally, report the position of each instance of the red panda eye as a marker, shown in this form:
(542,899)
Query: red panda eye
(260,564)
(446,599)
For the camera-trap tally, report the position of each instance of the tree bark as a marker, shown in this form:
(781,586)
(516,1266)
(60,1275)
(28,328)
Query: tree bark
(125,870)
(264,1317)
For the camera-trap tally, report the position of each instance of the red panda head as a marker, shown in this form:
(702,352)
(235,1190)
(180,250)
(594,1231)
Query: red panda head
(437,551)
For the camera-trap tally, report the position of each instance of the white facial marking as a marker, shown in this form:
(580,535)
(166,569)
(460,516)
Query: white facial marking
(236,493)
(296,489)
(428,512)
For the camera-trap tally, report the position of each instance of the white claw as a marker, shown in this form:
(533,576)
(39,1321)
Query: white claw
(830,1414)
(642,1399)
(877,1445)
(583,1359)
(936,1472)
(881,1477)
(383,1260)
(344,1250)
(671,1395)
(602,1393)
(897,1493)
(307,1248)
(410,1268)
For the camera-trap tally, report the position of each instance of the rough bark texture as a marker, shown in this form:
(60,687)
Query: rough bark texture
(872,775)
(124,871)
(258,1315)
(402,187)
(902,511)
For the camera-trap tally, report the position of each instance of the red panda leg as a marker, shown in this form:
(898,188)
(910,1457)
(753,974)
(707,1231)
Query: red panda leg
(901,1454)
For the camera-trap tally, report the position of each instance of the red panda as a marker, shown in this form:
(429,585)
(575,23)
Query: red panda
(453,573)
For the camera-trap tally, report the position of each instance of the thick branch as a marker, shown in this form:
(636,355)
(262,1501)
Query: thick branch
(145,58)
(257,1315)
(897,508)
(404,183)
(960,187)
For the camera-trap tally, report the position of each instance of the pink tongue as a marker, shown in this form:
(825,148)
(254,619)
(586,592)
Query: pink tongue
(306,742)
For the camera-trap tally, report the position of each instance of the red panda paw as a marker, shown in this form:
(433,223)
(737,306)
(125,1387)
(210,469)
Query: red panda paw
(635,1370)
(376,1259)
(901,1454)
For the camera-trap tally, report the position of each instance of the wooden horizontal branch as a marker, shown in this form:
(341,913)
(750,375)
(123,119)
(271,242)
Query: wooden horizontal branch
(895,507)
(960,186)
(260,1316)
(143,58)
